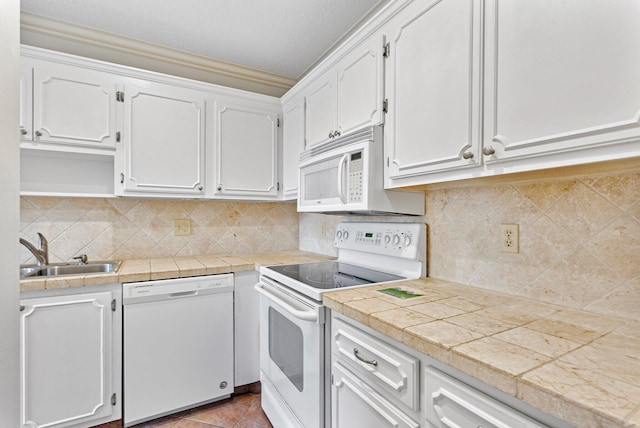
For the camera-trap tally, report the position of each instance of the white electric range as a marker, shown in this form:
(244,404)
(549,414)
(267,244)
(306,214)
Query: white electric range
(293,332)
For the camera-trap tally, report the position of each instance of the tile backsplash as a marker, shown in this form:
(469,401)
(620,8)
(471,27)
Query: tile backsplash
(579,240)
(123,228)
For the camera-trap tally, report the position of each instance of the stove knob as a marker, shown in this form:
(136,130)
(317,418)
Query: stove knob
(339,234)
(407,240)
(396,239)
(346,235)
(387,239)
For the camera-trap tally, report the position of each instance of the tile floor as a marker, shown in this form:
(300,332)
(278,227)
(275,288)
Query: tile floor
(239,411)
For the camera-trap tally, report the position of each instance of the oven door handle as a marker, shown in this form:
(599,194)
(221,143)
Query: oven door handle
(303,315)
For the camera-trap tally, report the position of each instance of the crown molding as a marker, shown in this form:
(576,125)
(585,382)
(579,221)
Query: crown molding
(89,36)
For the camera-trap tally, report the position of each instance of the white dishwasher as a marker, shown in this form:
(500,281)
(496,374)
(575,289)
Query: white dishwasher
(178,345)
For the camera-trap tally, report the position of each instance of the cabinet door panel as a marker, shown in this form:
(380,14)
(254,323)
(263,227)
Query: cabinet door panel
(360,77)
(292,146)
(73,105)
(66,360)
(560,76)
(163,141)
(356,404)
(434,88)
(26,106)
(321,112)
(247,148)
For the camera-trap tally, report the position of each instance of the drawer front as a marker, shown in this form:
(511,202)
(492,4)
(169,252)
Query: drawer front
(453,404)
(378,363)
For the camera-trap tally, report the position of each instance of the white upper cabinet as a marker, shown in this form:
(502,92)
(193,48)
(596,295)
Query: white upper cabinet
(482,88)
(348,96)
(433,88)
(163,141)
(292,144)
(26,100)
(360,86)
(246,149)
(560,77)
(71,106)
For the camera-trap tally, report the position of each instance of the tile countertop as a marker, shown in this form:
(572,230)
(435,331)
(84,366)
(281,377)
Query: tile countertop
(174,267)
(579,366)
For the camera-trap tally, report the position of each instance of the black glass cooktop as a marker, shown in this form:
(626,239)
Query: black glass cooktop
(329,275)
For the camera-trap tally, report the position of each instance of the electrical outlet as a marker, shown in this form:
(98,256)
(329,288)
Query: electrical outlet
(182,227)
(510,238)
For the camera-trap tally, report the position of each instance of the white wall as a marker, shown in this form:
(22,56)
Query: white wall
(9,209)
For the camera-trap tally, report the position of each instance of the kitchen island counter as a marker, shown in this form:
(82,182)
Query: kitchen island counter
(579,366)
(133,270)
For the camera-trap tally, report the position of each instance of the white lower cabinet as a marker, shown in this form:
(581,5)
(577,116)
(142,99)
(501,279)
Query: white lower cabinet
(70,360)
(357,404)
(246,328)
(452,404)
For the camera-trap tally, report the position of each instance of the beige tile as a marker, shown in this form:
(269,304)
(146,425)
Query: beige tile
(369,306)
(442,333)
(631,329)
(401,317)
(462,304)
(621,189)
(502,356)
(436,310)
(33,284)
(542,343)
(588,320)
(190,267)
(510,315)
(564,330)
(433,350)
(481,324)
(545,194)
(606,396)
(613,245)
(503,381)
(612,360)
(347,295)
(108,278)
(65,281)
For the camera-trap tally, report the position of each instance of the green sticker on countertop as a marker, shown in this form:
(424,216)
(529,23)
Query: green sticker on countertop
(399,293)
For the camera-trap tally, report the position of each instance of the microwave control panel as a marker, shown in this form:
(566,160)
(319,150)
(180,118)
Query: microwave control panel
(355,177)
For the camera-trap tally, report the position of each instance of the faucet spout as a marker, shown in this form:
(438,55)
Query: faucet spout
(41,253)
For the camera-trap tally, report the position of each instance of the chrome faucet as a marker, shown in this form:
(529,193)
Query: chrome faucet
(42,252)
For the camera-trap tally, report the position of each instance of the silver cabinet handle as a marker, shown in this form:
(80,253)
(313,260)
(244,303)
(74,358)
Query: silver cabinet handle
(336,134)
(23,131)
(488,151)
(468,154)
(357,354)
(331,135)
(122,178)
(38,134)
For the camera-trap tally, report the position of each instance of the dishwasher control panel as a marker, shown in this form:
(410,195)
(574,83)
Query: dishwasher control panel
(176,288)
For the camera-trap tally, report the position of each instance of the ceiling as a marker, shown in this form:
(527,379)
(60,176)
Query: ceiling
(285,37)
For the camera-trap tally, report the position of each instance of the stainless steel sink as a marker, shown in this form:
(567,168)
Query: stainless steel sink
(64,269)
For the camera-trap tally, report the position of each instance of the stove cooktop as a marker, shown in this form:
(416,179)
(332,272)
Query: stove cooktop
(332,274)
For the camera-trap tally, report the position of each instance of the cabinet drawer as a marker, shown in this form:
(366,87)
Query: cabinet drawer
(451,403)
(378,363)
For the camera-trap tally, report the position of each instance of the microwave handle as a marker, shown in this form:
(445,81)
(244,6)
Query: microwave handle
(343,161)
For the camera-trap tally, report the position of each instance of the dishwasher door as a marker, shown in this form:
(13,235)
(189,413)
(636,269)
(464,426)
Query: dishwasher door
(178,345)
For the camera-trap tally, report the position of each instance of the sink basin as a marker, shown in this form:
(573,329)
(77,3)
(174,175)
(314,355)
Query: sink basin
(70,269)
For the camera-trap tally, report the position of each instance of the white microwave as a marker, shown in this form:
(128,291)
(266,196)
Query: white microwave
(345,175)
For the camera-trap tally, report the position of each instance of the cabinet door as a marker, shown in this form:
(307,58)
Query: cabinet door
(356,404)
(360,86)
(73,105)
(561,76)
(292,145)
(246,315)
(26,101)
(321,120)
(66,360)
(433,87)
(246,150)
(163,141)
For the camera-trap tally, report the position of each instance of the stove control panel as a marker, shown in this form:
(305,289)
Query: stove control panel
(404,240)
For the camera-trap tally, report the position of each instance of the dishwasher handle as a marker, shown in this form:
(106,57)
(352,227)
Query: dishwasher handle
(183,294)
(309,315)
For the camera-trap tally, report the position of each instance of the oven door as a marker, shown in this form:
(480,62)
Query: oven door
(292,355)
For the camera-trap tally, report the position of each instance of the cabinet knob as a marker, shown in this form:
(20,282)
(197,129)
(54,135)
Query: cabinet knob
(336,134)
(331,135)
(22,308)
(200,188)
(468,154)
(488,151)
(23,131)
(121,178)
(38,134)
(220,186)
